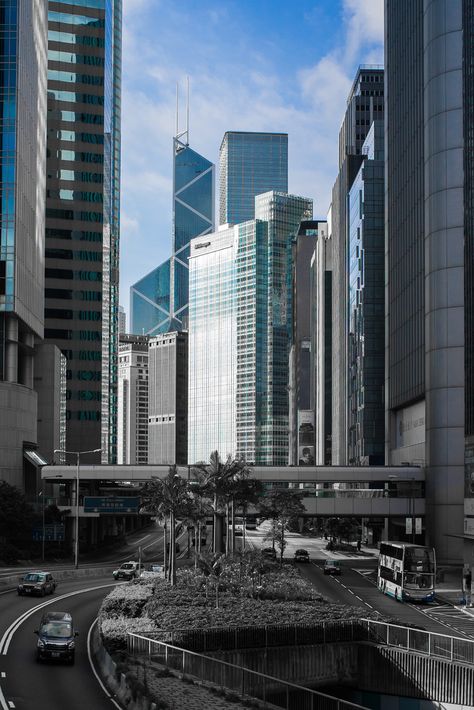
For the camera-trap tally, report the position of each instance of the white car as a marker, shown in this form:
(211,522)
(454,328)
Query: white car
(129,570)
(152,571)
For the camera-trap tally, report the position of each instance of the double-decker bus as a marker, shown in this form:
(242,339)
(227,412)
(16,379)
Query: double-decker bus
(407,572)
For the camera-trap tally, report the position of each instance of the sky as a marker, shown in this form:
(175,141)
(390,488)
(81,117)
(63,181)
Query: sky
(253,65)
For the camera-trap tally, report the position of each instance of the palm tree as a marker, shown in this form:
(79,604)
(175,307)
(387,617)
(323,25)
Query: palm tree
(280,506)
(248,491)
(195,512)
(216,479)
(166,497)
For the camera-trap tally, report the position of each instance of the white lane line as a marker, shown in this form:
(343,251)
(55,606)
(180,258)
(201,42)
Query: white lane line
(3,702)
(143,538)
(11,703)
(8,635)
(99,680)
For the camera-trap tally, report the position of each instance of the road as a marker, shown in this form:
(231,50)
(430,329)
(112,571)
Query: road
(27,685)
(357,586)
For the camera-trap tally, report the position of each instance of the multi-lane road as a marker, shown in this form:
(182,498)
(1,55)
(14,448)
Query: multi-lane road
(25,684)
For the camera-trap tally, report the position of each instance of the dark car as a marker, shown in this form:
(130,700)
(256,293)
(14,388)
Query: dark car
(301,556)
(129,570)
(332,567)
(39,583)
(56,636)
(269,553)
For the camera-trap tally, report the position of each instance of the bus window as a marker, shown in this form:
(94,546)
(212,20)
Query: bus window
(419,559)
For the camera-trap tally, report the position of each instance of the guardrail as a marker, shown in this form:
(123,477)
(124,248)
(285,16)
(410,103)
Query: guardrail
(217,638)
(245,682)
(427,642)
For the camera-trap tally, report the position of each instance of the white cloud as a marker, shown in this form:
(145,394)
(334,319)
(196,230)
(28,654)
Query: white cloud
(242,93)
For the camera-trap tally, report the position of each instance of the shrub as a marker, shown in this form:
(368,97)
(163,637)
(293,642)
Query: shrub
(114,630)
(126,600)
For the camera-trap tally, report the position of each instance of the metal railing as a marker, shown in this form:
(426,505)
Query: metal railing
(432,644)
(243,681)
(220,638)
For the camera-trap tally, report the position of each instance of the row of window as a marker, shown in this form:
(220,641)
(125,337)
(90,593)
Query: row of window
(69,314)
(82,255)
(73,275)
(76,195)
(71,38)
(76,215)
(68,294)
(73,97)
(83,236)
(56,55)
(66,334)
(73,78)
(80,156)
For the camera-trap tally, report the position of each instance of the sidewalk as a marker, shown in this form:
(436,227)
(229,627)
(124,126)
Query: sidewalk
(449,589)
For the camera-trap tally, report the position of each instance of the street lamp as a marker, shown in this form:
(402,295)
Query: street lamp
(41,493)
(78,457)
(411,508)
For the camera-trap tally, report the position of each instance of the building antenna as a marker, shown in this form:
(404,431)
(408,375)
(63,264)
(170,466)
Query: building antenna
(187,112)
(177,108)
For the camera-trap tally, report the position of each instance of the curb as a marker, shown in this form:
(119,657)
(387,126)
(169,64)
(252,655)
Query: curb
(120,689)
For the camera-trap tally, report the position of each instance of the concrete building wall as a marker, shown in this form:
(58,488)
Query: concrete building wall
(444,272)
(50,385)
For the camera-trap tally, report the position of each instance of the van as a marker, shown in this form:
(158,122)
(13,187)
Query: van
(56,637)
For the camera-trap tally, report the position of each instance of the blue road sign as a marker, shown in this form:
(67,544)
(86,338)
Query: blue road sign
(53,532)
(111,504)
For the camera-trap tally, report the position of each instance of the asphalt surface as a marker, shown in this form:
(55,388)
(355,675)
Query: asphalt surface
(28,685)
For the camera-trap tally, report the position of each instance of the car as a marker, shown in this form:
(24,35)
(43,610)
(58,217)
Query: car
(251,525)
(151,571)
(301,556)
(128,570)
(56,637)
(40,583)
(332,567)
(269,553)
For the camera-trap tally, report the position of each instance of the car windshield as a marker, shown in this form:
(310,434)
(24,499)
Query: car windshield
(127,565)
(34,577)
(301,552)
(332,563)
(57,629)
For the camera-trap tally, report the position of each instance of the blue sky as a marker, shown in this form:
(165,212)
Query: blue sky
(254,65)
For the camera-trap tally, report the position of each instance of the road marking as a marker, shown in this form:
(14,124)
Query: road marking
(3,702)
(143,538)
(8,635)
(99,680)
(11,703)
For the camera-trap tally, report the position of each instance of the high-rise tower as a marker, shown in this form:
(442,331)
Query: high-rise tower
(250,164)
(82,212)
(429,326)
(159,301)
(22,161)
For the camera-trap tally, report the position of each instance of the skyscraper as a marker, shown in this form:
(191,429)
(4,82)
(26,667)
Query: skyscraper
(239,334)
(159,301)
(428,258)
(82,212)
(132,405)
(250,164)
(364,105)
(22,160)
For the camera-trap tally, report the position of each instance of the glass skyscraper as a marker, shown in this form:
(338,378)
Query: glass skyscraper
(82,212)
(23,62)
(250,164)
(239,310)
(159,301)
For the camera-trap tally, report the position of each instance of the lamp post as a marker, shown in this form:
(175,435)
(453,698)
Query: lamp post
(41,493)
(77,454)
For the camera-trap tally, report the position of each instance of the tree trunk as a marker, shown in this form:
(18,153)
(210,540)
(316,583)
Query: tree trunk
(173,551)
(232,527)
(214,526)
(227,526)
(165,556)
(217,592)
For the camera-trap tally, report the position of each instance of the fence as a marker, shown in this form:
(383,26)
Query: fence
(243,681)
(229,638)
(436,645)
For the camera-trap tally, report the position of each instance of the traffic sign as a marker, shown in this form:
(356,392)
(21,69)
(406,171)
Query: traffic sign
(53,532)
(111,504)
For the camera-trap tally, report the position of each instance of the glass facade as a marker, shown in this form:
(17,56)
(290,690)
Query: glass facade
(239,335)
(82,211)
(250,164)
(366,307)
(159,301)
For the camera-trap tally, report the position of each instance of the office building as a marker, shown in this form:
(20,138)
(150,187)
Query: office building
(50,385)
(366,313)
(132,407)
(301,433)
(159,301)
(321,343)
(240,334)
(428,258)
(168,399)
(122,320)
(23,139)
(82,213)
(250,164)
(364,105)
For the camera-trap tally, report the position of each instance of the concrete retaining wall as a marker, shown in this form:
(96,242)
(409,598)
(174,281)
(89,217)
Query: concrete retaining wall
(391,670)
(317,665)
(59,575)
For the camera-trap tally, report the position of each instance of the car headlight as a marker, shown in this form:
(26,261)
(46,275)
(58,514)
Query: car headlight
(20,586)
(40,643)
(37,586)
(71,644)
